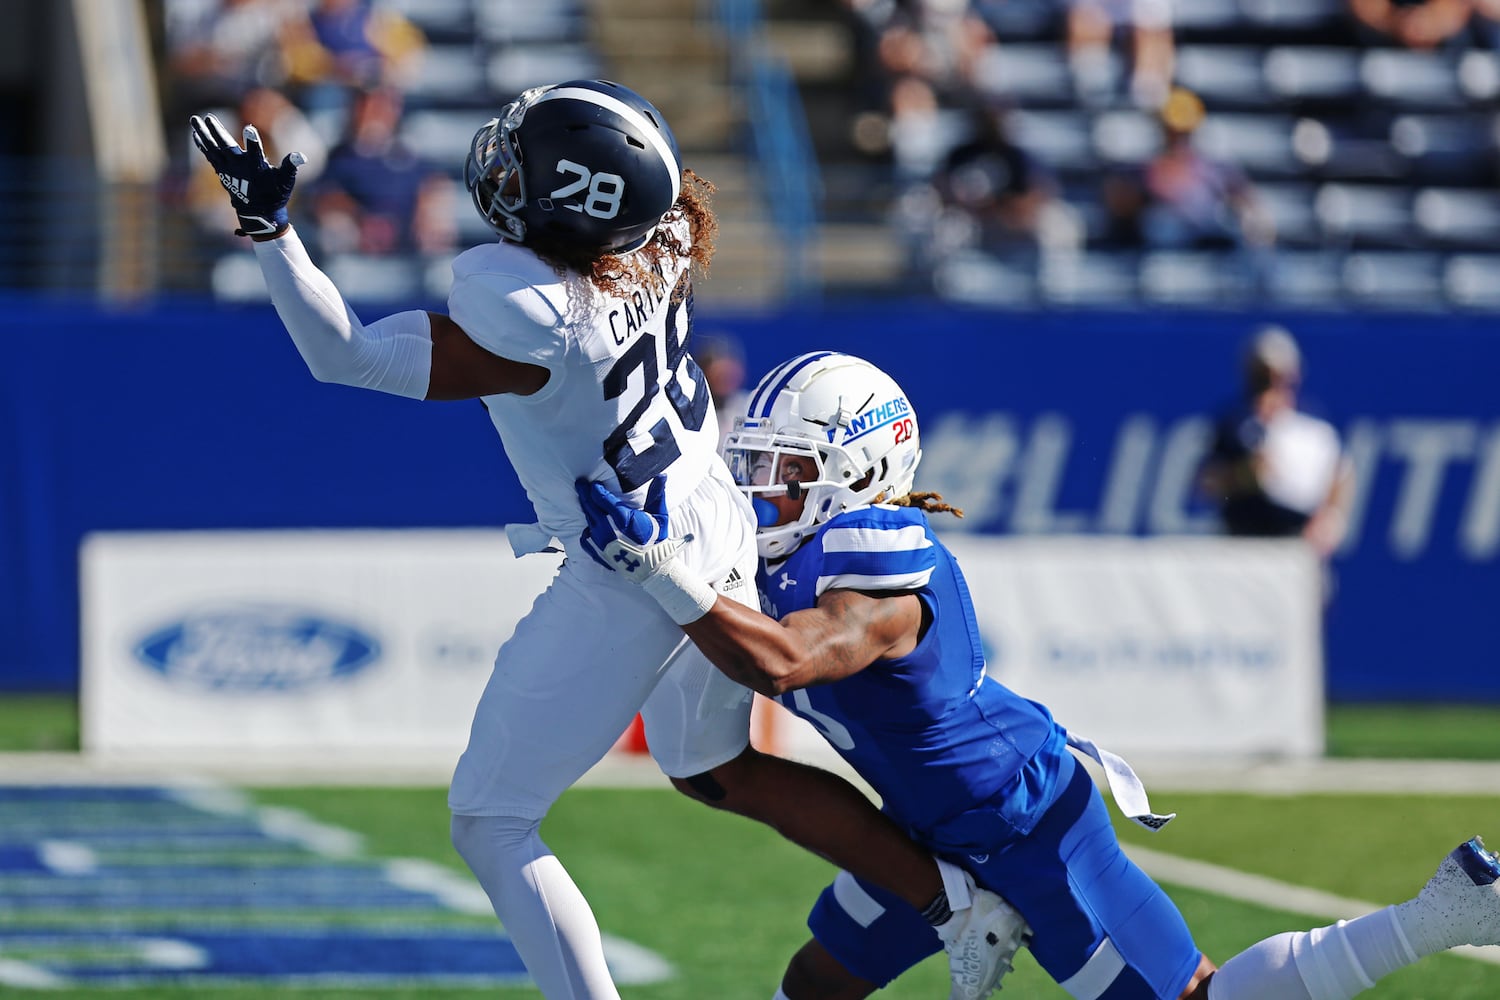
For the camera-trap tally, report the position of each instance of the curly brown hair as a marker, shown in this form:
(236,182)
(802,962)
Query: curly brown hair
(612,274)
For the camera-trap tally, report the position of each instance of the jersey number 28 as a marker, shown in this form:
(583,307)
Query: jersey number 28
(636,469)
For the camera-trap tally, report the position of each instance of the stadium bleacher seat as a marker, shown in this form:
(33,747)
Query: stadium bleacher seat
(1123,137)
(1405,78)
(1458,217)
(1409,280)
(1206,16)
(1292,15)
(509,22)
(980,279)
(1306,277)
(448,75)
(1290,206)
(1303,72)
(1361,214)
(1061,139)
(1473,280)
(1192,278)
(1255,142)
(514,68)
(1223,75)
(1088,279)
(1034,73)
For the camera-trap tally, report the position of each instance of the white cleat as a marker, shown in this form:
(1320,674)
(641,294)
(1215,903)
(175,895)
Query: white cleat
(1461,903)
(982,941)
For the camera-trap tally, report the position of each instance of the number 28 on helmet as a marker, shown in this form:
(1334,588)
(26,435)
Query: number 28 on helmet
(842,423)
(587,165)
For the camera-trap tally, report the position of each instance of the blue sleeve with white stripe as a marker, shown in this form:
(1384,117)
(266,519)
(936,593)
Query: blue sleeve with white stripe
(877,548)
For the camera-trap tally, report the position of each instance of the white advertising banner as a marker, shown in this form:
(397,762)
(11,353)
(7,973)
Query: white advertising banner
(1158,645)
(381,641)
(295,641)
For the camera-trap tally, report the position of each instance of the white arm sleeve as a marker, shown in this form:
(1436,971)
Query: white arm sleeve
(392,354)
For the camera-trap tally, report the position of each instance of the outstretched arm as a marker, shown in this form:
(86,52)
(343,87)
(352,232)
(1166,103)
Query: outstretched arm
(414,354)
(845,633)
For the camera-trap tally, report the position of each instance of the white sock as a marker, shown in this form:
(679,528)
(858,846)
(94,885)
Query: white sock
(780,994)
(547,918)
(1328,963)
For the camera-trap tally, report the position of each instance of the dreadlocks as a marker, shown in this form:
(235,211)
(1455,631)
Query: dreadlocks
(927,503)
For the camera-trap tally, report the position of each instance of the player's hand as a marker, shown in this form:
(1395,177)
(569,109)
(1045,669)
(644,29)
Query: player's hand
(628,540)
(259,191)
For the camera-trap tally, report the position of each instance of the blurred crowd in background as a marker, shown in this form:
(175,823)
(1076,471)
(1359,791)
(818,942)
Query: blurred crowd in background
(1336,153)
(1214,132)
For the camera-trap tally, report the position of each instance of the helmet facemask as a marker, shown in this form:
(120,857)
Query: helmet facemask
(493,170)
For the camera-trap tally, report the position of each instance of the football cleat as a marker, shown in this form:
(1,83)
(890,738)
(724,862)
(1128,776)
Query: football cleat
(982,941)
(1460,904)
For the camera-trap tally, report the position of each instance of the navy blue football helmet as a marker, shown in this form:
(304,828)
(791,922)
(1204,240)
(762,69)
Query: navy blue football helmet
(586,165)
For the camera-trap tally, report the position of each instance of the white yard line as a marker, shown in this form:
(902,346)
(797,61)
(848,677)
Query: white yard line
(1267,892)
(620,770)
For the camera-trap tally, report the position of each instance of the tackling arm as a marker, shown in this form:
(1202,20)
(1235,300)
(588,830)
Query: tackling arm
(844,634)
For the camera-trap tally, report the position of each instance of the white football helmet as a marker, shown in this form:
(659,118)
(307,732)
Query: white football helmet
(848,416)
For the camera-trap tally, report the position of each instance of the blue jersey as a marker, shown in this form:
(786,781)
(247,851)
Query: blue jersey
(976,773)
(960,760)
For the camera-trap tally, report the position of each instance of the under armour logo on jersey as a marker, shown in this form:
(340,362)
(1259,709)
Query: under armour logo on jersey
(627,562)
(787,581)
(238,187)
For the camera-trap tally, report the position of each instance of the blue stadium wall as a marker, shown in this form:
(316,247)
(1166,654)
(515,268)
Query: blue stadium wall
(194,417)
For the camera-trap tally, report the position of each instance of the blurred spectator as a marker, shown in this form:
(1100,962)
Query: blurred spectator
(937,41)
(1183,199)
(1416,24)
(1274,470)
(376,196)
(996,196)
(217,50)
(349,45)
(283,128)
(1093,26)
(722,359)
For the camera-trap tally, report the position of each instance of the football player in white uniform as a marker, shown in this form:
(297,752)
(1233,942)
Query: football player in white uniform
(573,331)
(872,638)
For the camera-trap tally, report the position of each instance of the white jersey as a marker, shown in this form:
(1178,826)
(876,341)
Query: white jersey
(1299,461)
(623,404)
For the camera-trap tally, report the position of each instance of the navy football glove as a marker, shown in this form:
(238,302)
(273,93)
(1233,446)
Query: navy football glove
(627,539)
(634,543)
(258,190)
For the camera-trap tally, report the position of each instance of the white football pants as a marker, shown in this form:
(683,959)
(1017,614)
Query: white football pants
(593,651)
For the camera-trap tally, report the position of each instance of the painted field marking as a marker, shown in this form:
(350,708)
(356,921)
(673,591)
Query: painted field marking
(1269,892)
(156,849)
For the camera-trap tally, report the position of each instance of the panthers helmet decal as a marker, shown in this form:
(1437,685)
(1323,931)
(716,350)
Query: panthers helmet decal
(846,417)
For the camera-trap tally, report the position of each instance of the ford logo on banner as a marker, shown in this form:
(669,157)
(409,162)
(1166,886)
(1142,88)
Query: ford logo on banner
(257,648)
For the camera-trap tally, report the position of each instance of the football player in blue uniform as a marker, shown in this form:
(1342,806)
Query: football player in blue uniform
(871,637)
(572,328)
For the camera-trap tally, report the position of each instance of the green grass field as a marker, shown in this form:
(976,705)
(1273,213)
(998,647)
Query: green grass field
(1445,732)
(724,900)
